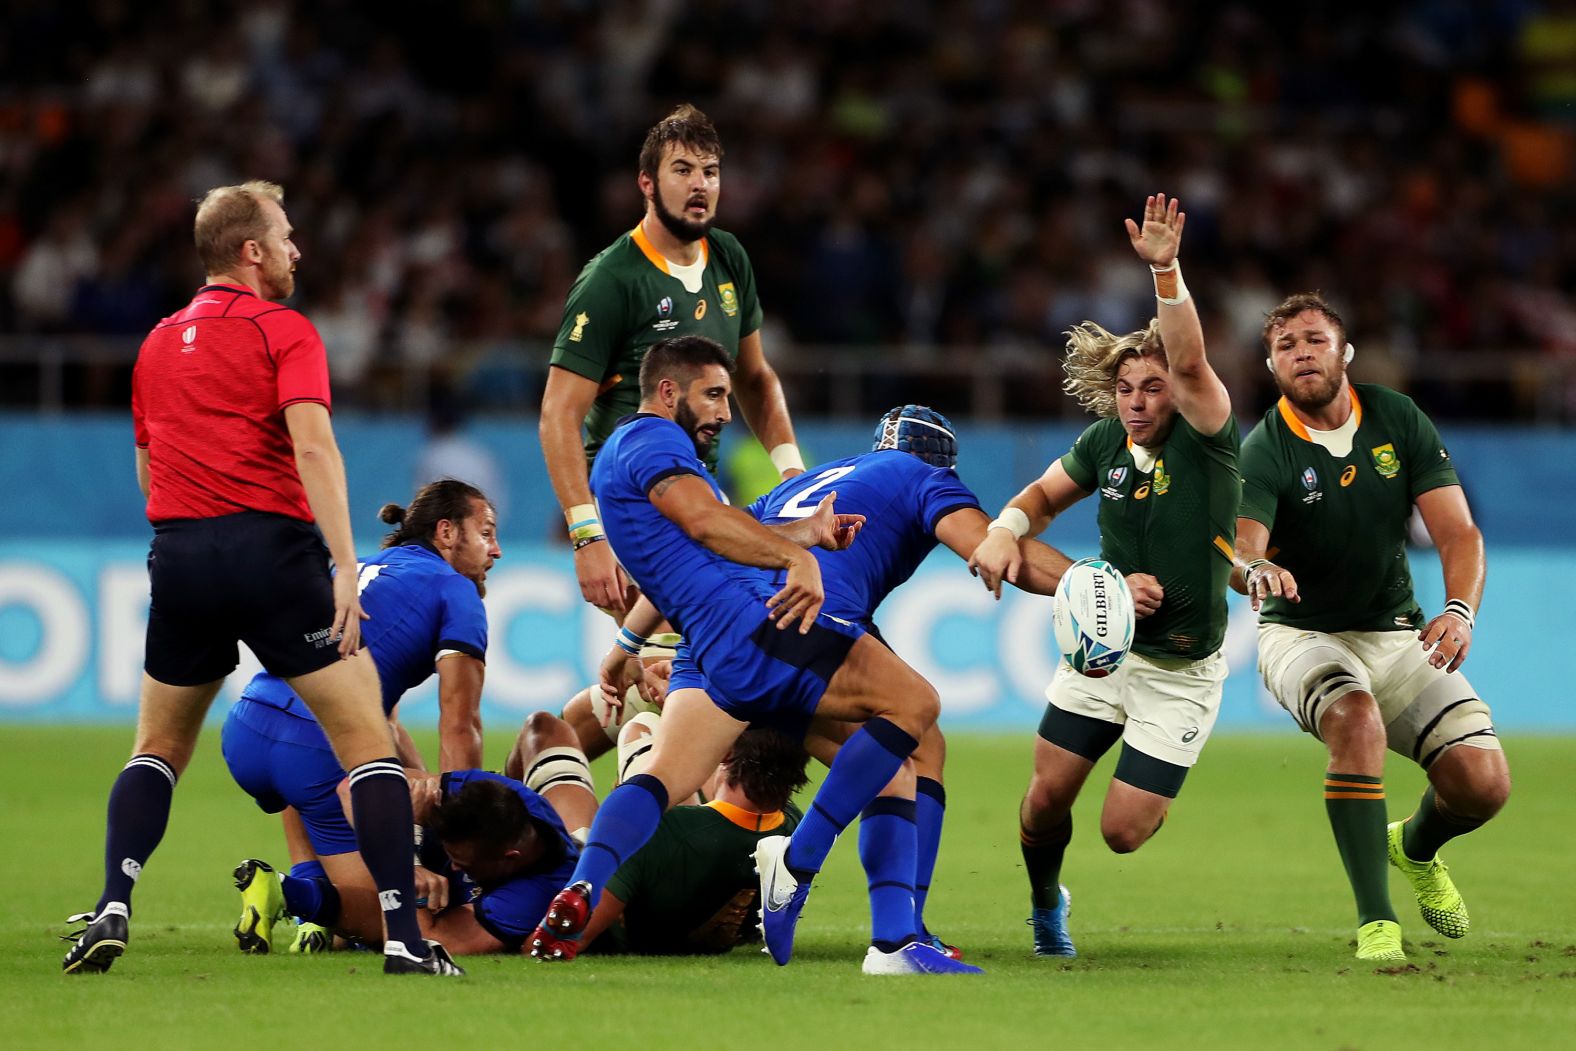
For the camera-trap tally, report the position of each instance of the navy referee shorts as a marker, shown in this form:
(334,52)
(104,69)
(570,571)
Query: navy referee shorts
(252,577)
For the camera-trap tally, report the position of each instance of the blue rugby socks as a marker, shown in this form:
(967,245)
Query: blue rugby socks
(864,765)
(623,824)
(888,843)
(380,805)
(930,807)
(139,811)
(309,894)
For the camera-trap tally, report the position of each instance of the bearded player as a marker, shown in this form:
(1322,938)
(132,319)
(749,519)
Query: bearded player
(1330,478)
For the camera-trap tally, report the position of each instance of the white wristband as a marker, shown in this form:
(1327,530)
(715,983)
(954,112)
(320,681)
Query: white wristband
(785,457)
(1458,607)
(1013,520)
(1164,284)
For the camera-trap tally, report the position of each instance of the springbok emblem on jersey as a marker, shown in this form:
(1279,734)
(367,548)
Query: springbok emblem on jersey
(1386,462)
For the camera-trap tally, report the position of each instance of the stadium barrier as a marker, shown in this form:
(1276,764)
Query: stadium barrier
(72,616)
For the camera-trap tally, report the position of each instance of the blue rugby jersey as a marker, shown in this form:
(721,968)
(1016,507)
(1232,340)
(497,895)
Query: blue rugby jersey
(419,607)
(511,909)
(703,595)
(902,498)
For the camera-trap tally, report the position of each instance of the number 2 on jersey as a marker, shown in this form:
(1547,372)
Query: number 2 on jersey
(803,505)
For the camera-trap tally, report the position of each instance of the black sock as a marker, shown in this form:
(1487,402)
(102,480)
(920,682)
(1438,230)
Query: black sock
(139,810)
(1431,827)
(1042,857)
(380,804)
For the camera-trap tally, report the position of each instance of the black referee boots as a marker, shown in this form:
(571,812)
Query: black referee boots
(98,944)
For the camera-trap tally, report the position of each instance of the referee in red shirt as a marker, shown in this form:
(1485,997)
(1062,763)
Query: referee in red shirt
(237,458)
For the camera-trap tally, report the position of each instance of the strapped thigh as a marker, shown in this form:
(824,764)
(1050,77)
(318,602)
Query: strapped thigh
(1319,672)
(555,767)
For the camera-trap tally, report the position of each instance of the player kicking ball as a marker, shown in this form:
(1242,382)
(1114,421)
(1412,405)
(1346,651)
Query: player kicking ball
(765,654)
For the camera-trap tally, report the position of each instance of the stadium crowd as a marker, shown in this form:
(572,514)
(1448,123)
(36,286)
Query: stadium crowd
(916,174)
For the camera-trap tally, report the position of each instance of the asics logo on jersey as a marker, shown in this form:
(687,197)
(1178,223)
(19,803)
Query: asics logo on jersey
(1190,735)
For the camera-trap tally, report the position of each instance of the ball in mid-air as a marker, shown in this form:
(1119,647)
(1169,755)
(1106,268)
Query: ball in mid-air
(1093,617)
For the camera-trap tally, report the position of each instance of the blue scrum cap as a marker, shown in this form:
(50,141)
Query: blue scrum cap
(920,430)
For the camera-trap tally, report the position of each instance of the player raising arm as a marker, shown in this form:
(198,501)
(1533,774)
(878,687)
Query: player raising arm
(1164,459)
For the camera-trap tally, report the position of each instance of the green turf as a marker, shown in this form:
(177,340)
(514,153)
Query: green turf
(1231,929)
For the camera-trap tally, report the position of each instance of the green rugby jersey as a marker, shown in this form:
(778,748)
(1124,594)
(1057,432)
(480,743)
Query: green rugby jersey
(1177,522)
(626,299)
(696,861)
(1338,523)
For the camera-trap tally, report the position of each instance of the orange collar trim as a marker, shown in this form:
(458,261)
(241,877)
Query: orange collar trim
(1300,429)
(656,258)
(748,820)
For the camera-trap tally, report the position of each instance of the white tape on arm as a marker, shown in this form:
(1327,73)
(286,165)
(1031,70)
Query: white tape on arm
(1013,520)
(786,457)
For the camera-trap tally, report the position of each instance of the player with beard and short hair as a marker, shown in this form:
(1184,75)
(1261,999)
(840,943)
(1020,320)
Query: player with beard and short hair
(1164,462)
(674,274)
(767,656)
(1330,478)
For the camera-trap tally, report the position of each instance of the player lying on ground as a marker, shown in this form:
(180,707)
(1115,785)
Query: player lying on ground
(692,887)
(423,593)
(1330,478)
(1164,459)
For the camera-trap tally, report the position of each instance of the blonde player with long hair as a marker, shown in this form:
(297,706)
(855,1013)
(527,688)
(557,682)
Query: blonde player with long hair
(1163,456)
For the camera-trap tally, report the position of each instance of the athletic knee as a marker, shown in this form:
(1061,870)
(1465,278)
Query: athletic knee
(1479,796)
(1353,725)
(1123,840)
(544,729)
(902,785)
(923,707)
(1045,804)
(1124,837)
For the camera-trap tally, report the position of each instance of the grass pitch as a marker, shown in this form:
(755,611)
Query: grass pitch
(1232,928)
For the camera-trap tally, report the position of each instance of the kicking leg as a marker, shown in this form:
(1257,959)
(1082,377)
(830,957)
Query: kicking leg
(692,738)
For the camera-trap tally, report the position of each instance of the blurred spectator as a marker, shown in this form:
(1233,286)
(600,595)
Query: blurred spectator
(915,173)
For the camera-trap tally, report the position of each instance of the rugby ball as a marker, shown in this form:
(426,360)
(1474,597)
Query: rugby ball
(1093,617)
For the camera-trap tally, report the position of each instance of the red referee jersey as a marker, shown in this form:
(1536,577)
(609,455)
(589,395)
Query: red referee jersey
(207,400)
